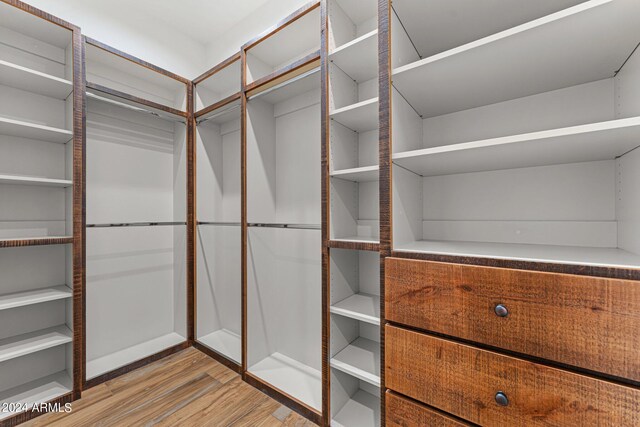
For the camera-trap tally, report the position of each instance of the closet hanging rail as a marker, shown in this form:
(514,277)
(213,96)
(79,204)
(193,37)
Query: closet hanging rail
(222,223)
(135,224)
(217,113)
(292,226)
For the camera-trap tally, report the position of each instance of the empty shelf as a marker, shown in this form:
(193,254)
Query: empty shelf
(561,50)
(34,81)
(358,239)
(360,359)
(29,180)
(24,344)
(34,131)
(39,391)
(362,174)
(36,241)
(362,410)
(21,299)
(610,257)
(359,117)
(131,354)
(298,380)
(363,307)
(358,58)
(585,143)
(224,342)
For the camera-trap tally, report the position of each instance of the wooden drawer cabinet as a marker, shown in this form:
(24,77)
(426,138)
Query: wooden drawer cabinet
(465,381)
(402,412)
(588,322)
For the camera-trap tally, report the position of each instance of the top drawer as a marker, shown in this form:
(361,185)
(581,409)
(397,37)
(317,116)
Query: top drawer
(588,322)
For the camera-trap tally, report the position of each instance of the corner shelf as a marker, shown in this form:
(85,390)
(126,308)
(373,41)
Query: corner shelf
(590,142)
(359,57)
(34,81)
(24,344)
(38,391)
(21,299)
(360,359)
(360,117)
(28,130)
(361,174)
(362,307)
(28,180)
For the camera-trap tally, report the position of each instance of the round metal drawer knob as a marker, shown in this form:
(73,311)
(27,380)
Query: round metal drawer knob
(502,399)
(501,310)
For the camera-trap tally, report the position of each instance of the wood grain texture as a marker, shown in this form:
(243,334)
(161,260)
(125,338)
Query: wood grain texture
(219,104)
(223,360)
(587,322)
(403,412)
(35,241)
(186,389)
(463,380)
(41,14)
(136,99)
(222,65)
(243,206)
(356,246)
(288,72)
(191,217)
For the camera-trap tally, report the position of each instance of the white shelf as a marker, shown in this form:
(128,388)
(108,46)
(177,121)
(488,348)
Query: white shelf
(29,180)
(559,50)
(363,307)
(591,142)
(24,344)
(121,358)
(34,81)
(360,117)
(359,57)
(362,174)
(39,391)
(34,131)
(294,378)
(21,299)
(609,257)
(357,239)
(224,342)
(362,410)
(360,359)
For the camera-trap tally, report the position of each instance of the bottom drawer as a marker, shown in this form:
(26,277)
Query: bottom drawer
(489,388)
(401,412)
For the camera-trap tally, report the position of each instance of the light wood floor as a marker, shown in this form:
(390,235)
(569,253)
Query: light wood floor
(186,389)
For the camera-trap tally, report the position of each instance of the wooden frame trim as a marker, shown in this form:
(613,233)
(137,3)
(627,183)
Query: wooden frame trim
(191,217)
(41,14)
(284,398)
(283,23)
(292,70)
(135,99)
(23,417)
(135,365)
(228,100)
(224,64)
(218,357)
(135,60)
(243,209)
(356,246)
(36,241)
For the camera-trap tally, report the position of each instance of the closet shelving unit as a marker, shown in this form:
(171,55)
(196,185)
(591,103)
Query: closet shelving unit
(41,194)
(282,245)
(352,299)
(218,326)
(139,235)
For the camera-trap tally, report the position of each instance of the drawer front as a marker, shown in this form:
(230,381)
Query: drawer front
(588,322)
(402,412)
(465,381)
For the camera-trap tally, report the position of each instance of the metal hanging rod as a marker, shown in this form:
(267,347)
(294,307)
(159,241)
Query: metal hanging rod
(136,224)
(286,83)
(292,226)
(217,113)
(159,114)
(221,223)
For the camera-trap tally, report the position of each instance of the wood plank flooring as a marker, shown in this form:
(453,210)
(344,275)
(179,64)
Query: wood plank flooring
(186,389)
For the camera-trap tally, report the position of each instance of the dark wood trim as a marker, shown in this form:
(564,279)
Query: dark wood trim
(42,14)
(135,365)
(284,398)
(292,70)
(218,357)
(283,23)
(580,270)
(35,241)
(135,99)
(219,104)
(224,64)
(243,207)
(445,416)
(325,209)
(23,417)
(191,216)
(135,60)
(356,246)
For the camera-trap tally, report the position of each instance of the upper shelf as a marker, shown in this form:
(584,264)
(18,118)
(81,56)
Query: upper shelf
(34,131)
(34,81)
(32,26)
(358,58)
(30,180)
(360,117)
(584,143)
(581,44)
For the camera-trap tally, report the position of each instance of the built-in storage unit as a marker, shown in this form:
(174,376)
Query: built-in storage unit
(518,145)
(284,307)
(219,219)
(39,234)
(136,211)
